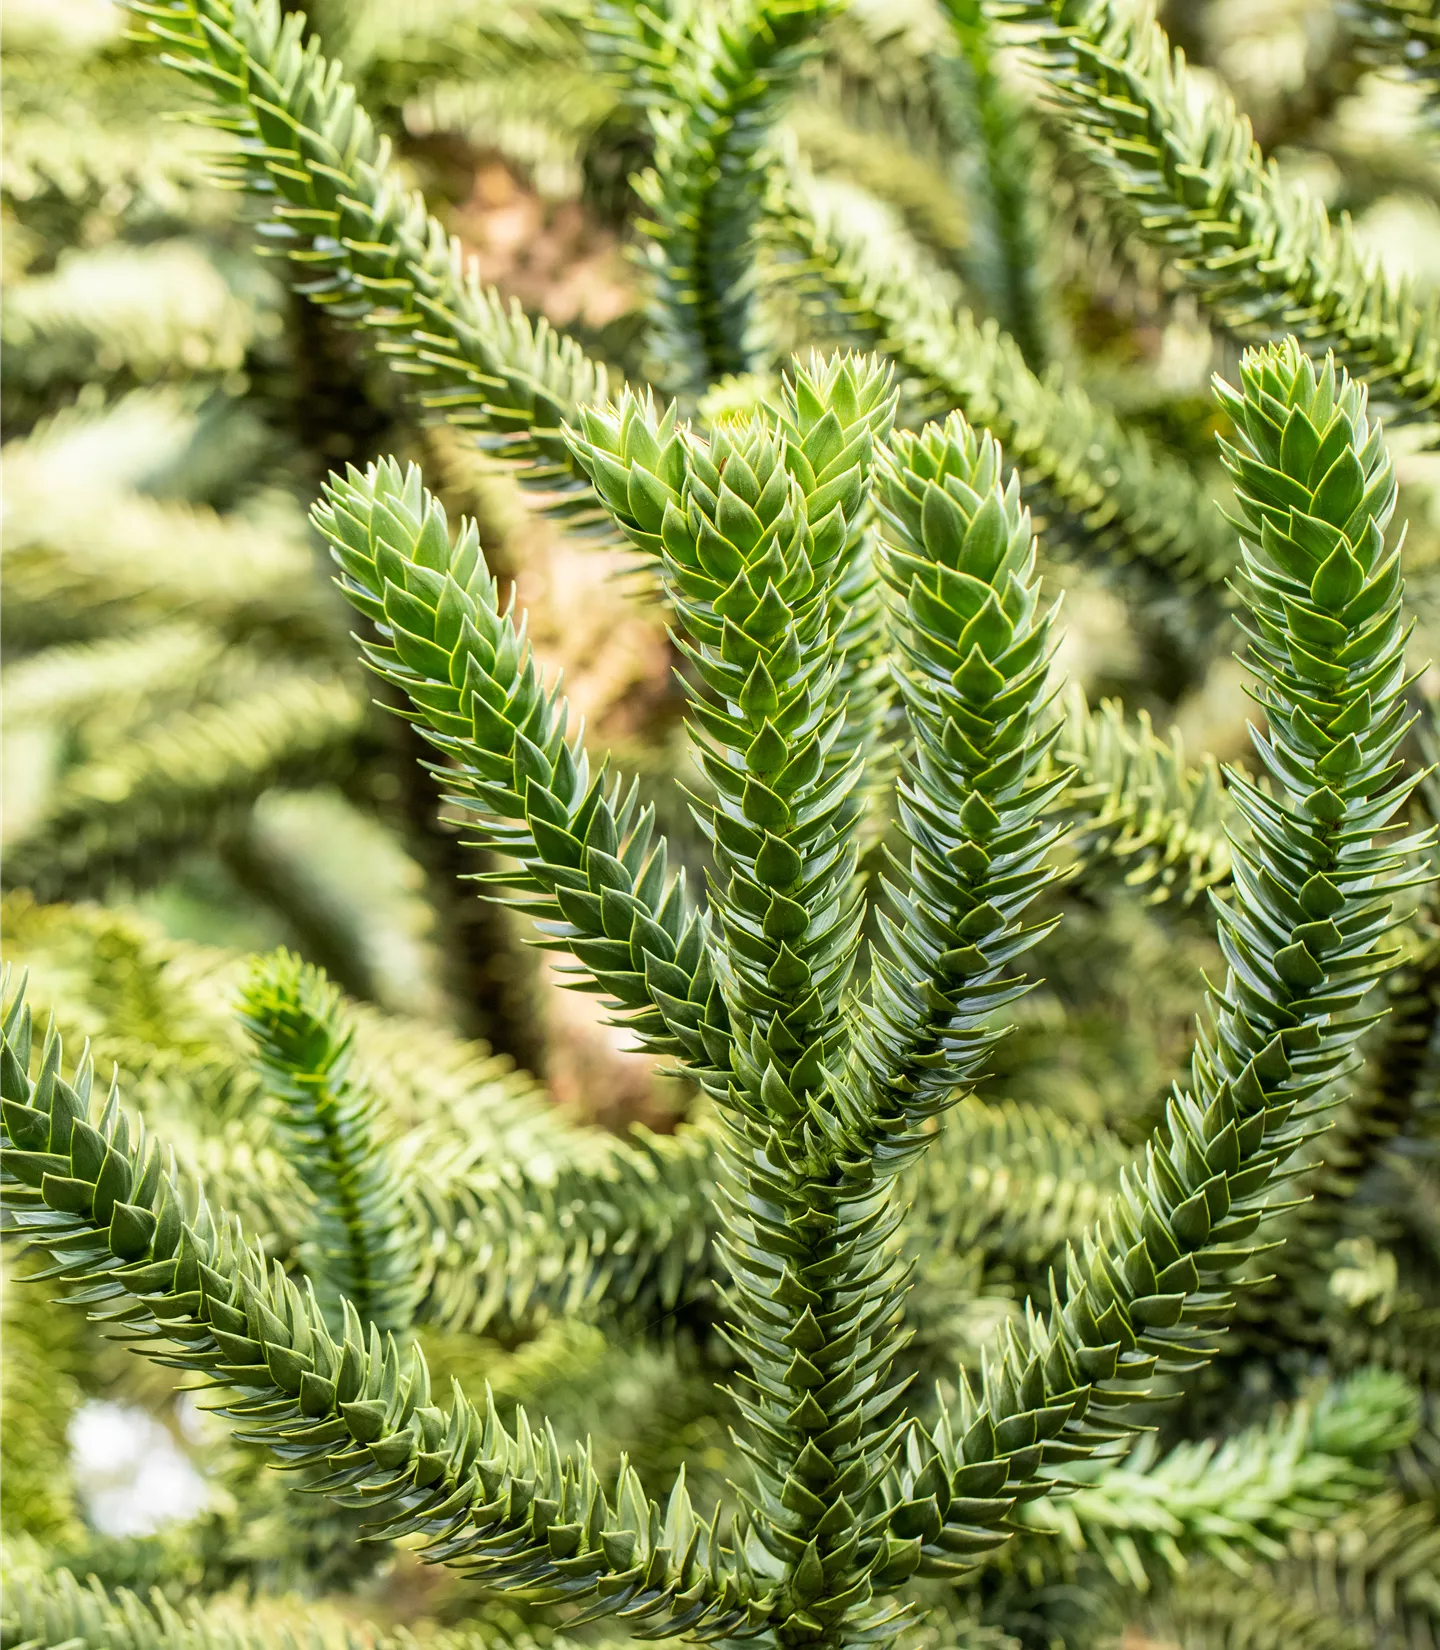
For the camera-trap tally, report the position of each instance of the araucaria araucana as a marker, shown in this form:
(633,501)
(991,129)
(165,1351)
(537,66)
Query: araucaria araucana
(823,1093)
(824,466)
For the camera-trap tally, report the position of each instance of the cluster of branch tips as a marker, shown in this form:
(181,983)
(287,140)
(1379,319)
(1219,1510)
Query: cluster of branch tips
(825,1083)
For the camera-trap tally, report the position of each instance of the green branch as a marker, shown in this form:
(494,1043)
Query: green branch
(1242,1497)
(85,551)
(589,865)
(72,684)
(1180,168)
(861,141)
(973,652)
(367,248)
(519,1212)
(1010,1184)
(510,1509)
(401,53)
(1354,1220)
(175,784)
(1134,799)
(634,460)
(164,309)
(1402,34)
(1303,942)
(753,530)
(1006,266)
(1366,1578)
(45,1606)
(360,1246)
(1100,486)
(711,109)
(513,1240)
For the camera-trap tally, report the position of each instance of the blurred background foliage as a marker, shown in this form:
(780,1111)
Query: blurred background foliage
(194,768)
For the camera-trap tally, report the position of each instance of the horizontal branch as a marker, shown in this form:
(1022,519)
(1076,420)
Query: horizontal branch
(509,1508)
(1244,1496)
(177,783)
(1134,800)
(1402,35)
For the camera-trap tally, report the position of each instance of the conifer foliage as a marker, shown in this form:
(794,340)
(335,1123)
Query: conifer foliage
(1181,1323)
(820,1099)
(327,1121)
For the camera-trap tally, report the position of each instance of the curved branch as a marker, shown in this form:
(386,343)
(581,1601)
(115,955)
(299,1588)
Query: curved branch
(510,1509)
(1181,169)
(1100,486)
(367,247)
(590,867)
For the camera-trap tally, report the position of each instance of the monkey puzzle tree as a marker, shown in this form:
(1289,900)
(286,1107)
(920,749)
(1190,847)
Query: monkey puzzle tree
(822,1095)
(889,787)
